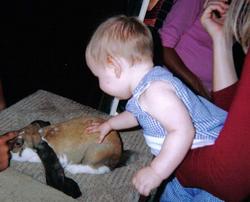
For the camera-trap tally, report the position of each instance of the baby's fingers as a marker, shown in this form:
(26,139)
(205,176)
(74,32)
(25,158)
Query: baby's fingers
(101,138)
(91,129)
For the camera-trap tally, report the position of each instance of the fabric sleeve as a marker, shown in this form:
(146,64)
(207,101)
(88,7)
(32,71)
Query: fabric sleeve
(223,168)
(223,98)
(178,20)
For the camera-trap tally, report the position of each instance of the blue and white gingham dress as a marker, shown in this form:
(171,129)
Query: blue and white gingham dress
(207,118)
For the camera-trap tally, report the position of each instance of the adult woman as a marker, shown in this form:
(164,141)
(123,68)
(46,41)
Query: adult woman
(223,169)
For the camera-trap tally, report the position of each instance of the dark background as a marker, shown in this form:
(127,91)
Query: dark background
(43,43)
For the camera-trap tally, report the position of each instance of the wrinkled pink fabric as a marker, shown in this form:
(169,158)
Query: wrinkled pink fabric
(183,31)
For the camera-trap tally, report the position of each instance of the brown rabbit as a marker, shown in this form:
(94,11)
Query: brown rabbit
(77,151)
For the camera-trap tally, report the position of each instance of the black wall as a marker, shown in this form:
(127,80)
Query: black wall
(43,44)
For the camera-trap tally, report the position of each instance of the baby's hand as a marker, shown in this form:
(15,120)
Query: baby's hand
(146,180)
(102,127)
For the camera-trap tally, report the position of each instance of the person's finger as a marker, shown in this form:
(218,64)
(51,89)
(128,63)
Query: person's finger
(101,138)
(218,12)
(146,191)
(91,129)
(4,165)
(221,5)
(142,189)
(8,136)
(92,123)
(4,149)
(212,8)
(207,2)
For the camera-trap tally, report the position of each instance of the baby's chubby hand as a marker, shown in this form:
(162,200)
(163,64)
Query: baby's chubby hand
(102,127)
(145,180)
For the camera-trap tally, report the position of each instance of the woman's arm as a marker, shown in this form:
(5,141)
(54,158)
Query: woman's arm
(222,169)
(173,62)
(224,73)
(177,22)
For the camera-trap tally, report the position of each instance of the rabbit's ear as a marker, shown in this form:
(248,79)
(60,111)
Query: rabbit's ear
(54,171)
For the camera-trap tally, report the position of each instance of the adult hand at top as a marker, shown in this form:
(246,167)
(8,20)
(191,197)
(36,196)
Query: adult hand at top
(213,17)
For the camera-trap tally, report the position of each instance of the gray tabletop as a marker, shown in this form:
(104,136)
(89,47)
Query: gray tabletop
(43,105)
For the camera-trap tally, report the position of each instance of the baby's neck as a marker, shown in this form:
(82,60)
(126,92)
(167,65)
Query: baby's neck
(138,71)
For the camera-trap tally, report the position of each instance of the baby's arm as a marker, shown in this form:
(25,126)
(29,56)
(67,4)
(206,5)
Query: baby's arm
(162,103)
(123,120)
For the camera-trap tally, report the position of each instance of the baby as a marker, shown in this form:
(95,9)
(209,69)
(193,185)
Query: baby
(173,118)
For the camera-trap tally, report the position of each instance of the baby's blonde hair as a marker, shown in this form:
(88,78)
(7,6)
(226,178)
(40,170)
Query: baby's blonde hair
(237,22)
(120,36)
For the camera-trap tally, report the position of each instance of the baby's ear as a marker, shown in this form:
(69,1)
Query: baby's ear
(115,64)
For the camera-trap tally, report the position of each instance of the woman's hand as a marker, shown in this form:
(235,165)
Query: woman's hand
(5,150)
(213,17)
(102,127)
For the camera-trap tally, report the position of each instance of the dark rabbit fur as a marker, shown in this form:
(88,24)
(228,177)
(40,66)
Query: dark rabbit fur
(54,172)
